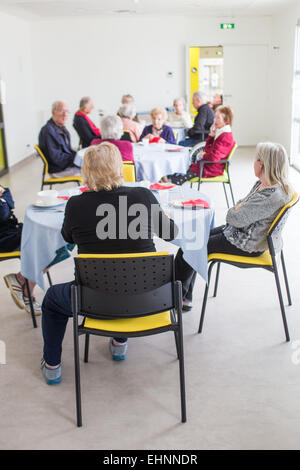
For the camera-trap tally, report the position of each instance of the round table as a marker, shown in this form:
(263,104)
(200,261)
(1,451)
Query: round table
(152,161)
(41,235)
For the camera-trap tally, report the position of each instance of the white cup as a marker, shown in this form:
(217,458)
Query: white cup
(47,197)
(145,141)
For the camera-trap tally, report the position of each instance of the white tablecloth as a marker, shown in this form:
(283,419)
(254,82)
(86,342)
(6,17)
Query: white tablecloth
(153,161)
(41,235)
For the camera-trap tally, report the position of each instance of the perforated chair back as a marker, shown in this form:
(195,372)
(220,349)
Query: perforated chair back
(125,286)
(129,172)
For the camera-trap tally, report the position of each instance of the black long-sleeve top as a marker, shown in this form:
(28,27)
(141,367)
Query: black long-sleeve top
(122,220)
(202,123)
(84,130)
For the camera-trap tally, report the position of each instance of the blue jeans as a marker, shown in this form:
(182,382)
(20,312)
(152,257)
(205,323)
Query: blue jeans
(189,142)
(57,310)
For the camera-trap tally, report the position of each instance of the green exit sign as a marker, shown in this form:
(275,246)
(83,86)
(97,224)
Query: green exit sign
(227,25)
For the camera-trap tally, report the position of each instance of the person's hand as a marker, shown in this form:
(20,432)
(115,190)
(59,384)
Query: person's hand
(2,190)
(237,208)
(149,136)
(200,155)
(212,131)
(161,140)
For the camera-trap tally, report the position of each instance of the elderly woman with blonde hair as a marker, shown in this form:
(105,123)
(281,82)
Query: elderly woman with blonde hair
(248,222)
(158,131)
(94,232)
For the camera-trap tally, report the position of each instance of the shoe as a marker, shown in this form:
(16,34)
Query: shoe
(36,306)
(51,376)
(15,288)
(186,308)
(118,353)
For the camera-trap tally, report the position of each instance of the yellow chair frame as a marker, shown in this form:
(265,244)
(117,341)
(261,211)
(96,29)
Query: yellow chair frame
(50,181)
(266,261)
(129,174)
(224,178)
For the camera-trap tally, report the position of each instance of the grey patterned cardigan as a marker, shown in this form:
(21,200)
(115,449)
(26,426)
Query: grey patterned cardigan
(247,227)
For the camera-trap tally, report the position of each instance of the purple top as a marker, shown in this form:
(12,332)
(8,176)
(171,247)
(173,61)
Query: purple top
(167,133)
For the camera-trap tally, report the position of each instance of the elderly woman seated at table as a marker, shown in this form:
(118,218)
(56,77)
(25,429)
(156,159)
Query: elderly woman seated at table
(158,131)
(218,146)
(247,224)
(83,125)
(102,173)
(112,130)
(180,117)
(127,112)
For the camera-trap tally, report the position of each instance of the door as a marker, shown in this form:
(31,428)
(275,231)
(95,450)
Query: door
(245,90)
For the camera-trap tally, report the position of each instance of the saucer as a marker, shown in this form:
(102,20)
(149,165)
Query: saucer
(49,204)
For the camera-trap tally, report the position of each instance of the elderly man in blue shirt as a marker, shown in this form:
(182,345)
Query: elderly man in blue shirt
(55,143)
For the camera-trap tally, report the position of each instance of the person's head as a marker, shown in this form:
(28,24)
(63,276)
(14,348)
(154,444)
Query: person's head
(271,164)
(126,99)
(60,113)
(111,127)
(223,116)
(102,167)
(158,117)
(217,99)
(179,105)
(127,111)
(199,99)
(86,105)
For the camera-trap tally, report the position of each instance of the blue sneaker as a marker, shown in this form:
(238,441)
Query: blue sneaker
(118,353)
(52,376)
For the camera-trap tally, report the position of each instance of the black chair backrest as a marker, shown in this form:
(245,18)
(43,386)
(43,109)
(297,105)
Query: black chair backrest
(125,286)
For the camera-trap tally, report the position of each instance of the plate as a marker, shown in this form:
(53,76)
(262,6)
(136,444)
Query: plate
(179,203)
(52,204)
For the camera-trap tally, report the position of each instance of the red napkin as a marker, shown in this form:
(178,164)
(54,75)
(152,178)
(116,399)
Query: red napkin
(85,188)
(161,186)
(155,140)
(196,202)
(64,197)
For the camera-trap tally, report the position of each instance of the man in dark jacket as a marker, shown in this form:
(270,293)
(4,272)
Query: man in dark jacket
(55,143)
(202,123)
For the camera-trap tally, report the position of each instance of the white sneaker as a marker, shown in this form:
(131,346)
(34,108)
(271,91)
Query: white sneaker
(36,306)
(15,288)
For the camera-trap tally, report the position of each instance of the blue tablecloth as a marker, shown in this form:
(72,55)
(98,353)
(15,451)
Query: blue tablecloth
(153,161)
(41,236)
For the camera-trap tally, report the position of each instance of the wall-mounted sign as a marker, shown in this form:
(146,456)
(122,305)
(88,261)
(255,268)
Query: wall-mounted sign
(227,25)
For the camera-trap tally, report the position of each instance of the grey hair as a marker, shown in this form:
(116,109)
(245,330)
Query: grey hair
(56,104)
(111,127)
(127,111)
(128,96)
(276,165)
(84,101)
(200,95)
(180,98)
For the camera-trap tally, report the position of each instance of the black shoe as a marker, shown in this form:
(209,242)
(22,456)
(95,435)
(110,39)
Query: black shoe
(187,308)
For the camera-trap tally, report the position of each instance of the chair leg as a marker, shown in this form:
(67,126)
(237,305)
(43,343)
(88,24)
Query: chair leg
(226,195)
(205,299)
(77,371)
(86,348)
(231,192)
(286,279)
(281,302)
(49,278)
(181,374)
(31,304)
(217,280)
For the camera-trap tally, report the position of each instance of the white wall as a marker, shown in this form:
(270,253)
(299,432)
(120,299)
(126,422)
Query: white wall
(283,29)
(16,71)
(107,57)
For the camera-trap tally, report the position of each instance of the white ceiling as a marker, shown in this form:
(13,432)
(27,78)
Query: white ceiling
(41,9)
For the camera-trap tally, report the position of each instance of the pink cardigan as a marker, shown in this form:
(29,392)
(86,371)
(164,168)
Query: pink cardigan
(215,150)
(124,146)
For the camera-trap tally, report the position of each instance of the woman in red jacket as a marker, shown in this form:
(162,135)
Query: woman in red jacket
(218,146)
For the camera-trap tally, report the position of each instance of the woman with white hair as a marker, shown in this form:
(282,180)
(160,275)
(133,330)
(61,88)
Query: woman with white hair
(102,173)
(158,131)
(111,131)
(247,224)
(180,117)
(127,112)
